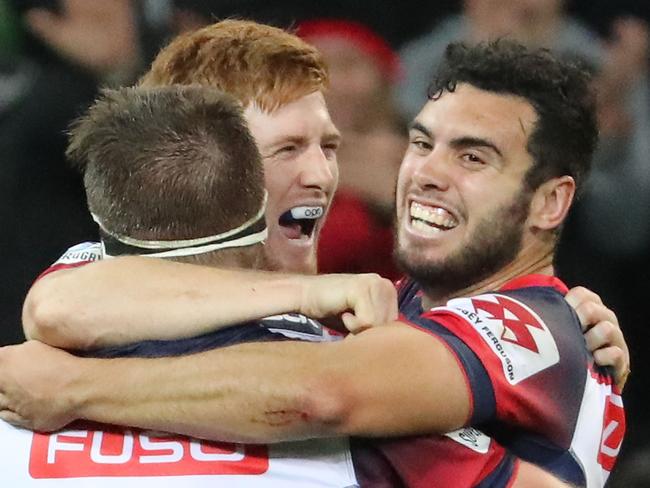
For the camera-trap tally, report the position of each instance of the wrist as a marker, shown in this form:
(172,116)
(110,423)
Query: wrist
(309,296)
(111,390)
(83,387)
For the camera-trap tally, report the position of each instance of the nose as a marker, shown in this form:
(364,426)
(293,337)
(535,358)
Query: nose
(318,171)
(433,172)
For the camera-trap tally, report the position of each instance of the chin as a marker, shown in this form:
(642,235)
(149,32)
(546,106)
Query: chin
(422,256)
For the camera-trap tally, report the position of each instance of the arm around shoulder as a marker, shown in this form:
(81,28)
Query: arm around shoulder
(127,299)
(387,381)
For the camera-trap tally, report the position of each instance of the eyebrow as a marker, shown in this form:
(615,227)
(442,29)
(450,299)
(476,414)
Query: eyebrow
(287,138)
(475,142)
(329,137)
(415,125)
(332,137)
(460,142)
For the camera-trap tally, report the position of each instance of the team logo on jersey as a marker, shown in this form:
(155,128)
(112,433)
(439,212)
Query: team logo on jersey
(84,252)
(613,432)
(296,326)
(516,319)
(514,332)
(471,438)
(87,453)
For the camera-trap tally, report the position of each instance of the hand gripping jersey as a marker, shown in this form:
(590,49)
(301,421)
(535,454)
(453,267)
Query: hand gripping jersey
(92,455)
(533,384)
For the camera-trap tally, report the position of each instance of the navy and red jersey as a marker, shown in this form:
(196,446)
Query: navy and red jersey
(533,385)
(462,459)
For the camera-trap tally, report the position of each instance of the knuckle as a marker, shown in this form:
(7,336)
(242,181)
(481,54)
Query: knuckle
(589,310)
(372,279)
(579,290)
(592,339)
(607,330)
(602,357)
(585,294)
(618,355)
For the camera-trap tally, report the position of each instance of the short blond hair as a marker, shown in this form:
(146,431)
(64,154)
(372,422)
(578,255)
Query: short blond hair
(255,63)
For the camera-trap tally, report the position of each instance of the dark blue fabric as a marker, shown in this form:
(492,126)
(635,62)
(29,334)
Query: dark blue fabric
(501,476)
(538,451)
(248,332)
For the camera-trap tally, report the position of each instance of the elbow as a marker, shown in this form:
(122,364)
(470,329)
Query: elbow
(48,316)
(330,408)
(38,315)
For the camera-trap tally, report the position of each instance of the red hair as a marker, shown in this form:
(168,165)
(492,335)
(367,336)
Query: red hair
(253,62)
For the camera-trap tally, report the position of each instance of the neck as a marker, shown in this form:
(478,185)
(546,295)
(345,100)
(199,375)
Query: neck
(524,264)
(249,257)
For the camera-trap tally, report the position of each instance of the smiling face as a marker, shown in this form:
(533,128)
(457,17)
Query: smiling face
(298,144)
(461,202)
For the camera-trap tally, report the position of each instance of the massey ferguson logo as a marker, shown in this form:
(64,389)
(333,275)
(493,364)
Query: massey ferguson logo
(86,453)
(514,332)
(515,318)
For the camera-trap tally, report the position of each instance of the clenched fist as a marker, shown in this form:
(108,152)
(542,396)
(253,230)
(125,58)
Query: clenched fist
(365,300)
(33,382)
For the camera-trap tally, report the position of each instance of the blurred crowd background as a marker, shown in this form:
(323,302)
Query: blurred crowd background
(56,54)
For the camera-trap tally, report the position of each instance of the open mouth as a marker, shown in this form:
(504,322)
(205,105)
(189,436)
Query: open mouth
(300,222)
(430,219)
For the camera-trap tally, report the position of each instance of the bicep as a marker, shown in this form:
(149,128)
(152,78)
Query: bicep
(398,380)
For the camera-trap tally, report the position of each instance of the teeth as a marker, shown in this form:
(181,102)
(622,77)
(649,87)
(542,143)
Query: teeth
(425,228)
(307,212)
(433,215)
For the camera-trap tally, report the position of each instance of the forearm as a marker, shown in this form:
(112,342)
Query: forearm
(128,299)
(220,395)
(385,381)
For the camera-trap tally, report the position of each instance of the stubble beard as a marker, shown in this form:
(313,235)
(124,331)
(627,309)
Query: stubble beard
(495,242)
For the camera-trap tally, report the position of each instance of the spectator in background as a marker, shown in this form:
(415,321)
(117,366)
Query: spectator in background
(42,205)
(69,48)
(99,37)
(622,177)
(532,22)
(358,235)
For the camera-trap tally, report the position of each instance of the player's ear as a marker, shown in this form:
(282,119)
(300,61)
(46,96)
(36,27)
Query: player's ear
(551,203)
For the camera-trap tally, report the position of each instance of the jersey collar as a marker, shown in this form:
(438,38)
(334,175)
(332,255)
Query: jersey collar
(531,280)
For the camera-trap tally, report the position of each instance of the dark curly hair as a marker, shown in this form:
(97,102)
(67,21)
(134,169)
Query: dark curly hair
(566,133)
